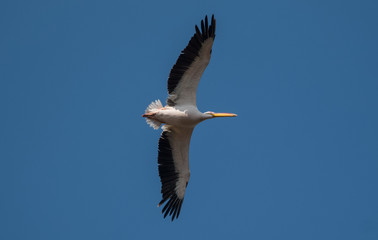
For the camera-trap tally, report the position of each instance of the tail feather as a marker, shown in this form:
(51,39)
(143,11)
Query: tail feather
(153,107)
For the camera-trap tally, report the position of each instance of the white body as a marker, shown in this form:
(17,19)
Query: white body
(180,116)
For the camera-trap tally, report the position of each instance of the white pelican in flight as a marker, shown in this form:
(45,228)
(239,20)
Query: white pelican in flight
(180,116)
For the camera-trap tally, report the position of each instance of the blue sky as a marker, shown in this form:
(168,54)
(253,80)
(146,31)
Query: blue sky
(300,161)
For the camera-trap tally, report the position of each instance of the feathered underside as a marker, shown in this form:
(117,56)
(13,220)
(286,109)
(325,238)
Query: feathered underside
(192,62)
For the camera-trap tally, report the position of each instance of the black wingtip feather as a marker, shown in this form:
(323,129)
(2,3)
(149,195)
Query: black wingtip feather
(174,212)
(179,209)
(167,207)
(206,27)
(172,207)
(203,29)
(198,33)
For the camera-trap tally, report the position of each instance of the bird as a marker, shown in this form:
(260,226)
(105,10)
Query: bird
(180,116)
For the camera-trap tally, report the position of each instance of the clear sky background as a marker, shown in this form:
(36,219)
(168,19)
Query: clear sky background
(77,160)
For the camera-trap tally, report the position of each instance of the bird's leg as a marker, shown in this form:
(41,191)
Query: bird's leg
(149,114)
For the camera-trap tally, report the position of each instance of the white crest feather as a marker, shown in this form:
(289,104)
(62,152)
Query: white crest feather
(153,107)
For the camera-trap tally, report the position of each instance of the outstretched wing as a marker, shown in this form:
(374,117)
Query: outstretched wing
(192,62)
(173,160)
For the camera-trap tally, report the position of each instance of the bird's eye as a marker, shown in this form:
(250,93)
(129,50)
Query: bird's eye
(211,50)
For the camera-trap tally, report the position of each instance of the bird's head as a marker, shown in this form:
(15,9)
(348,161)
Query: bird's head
(214,115)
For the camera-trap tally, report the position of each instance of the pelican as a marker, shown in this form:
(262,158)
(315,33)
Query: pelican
(180,116)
